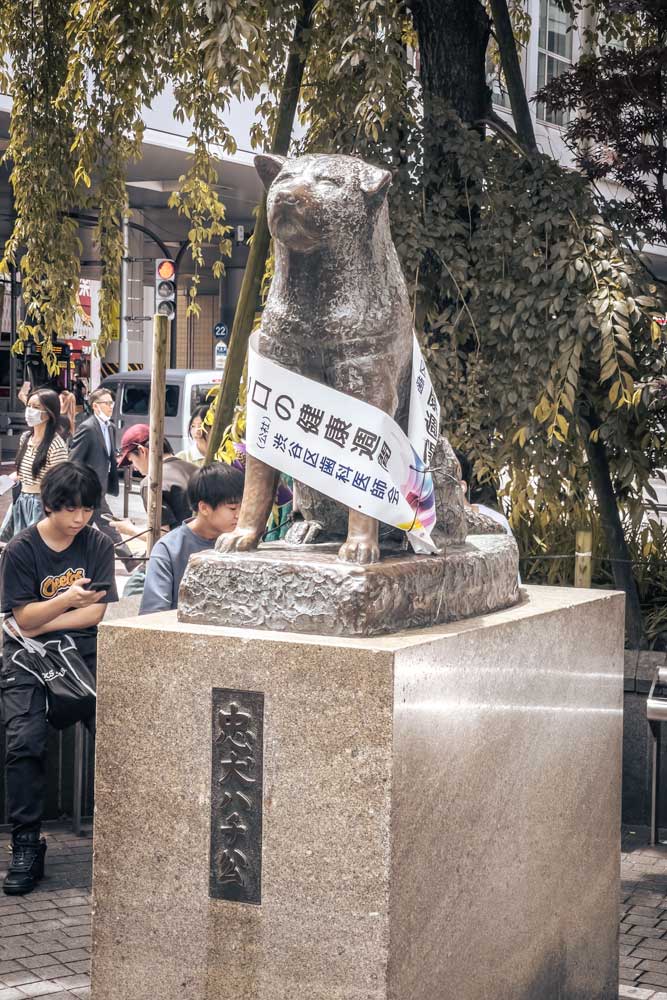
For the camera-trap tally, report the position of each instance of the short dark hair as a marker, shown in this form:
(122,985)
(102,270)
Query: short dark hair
(466,467)
(99,393)
(215,484)
(70,484)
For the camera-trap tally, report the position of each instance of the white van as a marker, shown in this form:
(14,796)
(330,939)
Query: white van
(186,390)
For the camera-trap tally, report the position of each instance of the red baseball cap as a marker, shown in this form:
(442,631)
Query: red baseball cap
(134,435)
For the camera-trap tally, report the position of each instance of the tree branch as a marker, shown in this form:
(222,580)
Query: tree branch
(506,133)
(509,58)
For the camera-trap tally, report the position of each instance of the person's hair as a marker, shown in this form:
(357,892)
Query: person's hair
(215,484)
(466,466)
(477,493)
(70,484)
(98,394)
(200,412)
(51,403)
(64,427)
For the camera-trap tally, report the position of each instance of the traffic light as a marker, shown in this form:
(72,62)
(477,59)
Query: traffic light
(165,287)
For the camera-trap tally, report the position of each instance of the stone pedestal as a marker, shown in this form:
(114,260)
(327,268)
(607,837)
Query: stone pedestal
(441,810)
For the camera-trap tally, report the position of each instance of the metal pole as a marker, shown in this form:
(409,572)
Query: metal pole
(173,339)
(173,336)
(77,791)
(654,831)
(13,397)
(127,480)
(124,274)
(155,456)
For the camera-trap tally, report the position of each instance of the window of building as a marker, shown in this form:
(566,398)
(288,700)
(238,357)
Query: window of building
(496,84)
(554,54)
(136,399)
(199,394)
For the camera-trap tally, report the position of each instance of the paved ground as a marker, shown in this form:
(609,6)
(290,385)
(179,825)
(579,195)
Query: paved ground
(45,937)
(643,937)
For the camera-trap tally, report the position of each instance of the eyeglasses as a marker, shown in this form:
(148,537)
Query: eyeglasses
(105,402)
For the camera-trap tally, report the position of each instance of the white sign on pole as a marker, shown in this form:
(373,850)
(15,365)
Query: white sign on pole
(220,354)
(345,448)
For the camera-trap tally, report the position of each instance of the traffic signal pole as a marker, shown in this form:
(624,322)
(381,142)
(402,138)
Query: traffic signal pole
(173,338)
(155,453)
(123,352)
(165,299)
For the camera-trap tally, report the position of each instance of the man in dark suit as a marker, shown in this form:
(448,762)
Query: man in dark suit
(94,445)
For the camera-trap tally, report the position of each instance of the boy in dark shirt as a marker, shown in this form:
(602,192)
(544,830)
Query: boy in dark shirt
(56,579)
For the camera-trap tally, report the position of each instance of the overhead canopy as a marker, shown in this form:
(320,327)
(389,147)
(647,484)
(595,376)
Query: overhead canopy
(165,157)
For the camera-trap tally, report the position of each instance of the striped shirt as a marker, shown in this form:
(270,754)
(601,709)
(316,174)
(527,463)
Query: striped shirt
(57,453)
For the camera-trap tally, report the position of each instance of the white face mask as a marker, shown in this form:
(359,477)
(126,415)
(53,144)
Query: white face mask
(33,416)
(104,417)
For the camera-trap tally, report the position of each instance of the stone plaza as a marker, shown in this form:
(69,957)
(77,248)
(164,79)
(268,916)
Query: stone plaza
(366,764)
(45,939)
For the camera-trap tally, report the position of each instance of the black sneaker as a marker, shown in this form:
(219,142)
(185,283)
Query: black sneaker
(27,867)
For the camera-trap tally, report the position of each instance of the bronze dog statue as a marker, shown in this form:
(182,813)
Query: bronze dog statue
(338,312)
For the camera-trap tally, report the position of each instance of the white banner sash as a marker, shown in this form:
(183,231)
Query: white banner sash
(345,448)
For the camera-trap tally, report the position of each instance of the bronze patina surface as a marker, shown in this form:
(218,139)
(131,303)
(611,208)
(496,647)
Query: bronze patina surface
(338,312)
(277,588)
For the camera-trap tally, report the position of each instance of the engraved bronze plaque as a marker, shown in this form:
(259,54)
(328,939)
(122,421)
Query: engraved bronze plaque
(236,796)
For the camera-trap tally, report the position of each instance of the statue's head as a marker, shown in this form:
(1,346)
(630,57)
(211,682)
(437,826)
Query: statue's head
(313,199)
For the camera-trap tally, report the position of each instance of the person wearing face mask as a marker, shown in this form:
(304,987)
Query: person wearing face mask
(40,449)
(94,445)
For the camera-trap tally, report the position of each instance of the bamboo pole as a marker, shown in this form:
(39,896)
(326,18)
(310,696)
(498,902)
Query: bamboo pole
(254,270)
(583,558)
(155,455)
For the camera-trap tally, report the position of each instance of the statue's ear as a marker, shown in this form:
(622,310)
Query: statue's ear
(268,166)
(375,183)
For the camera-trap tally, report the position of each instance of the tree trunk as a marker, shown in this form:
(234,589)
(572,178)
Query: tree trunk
(254,271)
(453,36)
(598,467)
(452,40)
(509,58)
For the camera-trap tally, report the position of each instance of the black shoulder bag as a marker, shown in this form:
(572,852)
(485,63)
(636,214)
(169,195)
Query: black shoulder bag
(58,666)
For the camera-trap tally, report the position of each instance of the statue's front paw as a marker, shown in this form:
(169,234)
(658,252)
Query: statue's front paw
(303,532)
(238,540)
(360,551)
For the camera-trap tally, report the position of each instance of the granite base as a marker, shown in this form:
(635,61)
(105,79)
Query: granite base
(441,810)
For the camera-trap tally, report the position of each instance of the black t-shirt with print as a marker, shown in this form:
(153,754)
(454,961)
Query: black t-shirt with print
(31,571)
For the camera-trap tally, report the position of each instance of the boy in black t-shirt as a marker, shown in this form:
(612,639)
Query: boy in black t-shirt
(56,578)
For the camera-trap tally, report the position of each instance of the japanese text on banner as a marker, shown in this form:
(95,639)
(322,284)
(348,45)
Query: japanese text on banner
(345,448)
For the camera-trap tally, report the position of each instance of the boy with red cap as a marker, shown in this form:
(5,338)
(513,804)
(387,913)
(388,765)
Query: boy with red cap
(176,474)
